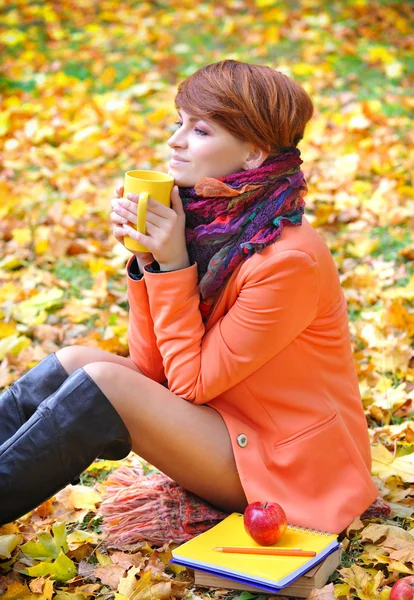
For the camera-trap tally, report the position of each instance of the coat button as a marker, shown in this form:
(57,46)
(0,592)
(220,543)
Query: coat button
(242,440)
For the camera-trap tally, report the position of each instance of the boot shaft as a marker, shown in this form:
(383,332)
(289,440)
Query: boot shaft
(67,432)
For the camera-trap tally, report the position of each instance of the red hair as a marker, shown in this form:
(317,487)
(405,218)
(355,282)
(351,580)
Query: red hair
(253,102)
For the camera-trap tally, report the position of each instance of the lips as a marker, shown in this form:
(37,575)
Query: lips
(177,158)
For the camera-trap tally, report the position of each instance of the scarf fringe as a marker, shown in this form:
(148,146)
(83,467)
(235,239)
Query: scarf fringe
(151,508)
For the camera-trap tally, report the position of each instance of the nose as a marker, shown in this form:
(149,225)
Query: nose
(177,140)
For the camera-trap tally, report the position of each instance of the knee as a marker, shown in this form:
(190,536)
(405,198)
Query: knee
(72,357)
(70,350)
(101,371)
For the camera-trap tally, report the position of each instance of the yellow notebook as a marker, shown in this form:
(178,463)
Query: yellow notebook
(270,573)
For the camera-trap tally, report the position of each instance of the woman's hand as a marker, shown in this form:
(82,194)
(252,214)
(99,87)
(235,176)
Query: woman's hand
(119,216)
(165,228)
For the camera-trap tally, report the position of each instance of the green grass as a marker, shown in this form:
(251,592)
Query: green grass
(76,273)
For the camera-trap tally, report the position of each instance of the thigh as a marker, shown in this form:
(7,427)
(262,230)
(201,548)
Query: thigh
(74,357)
(190,443)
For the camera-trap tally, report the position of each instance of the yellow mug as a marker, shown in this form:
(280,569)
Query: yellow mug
(146,183)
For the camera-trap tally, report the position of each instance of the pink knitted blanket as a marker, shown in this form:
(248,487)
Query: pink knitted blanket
(138,507)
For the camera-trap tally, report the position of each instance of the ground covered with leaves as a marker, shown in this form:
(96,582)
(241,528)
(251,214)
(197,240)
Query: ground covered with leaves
(87,93)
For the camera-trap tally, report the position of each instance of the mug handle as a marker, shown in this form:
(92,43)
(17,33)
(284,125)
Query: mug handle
(142,213)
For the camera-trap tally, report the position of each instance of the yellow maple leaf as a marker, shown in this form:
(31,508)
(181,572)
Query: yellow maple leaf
(79,537)
(13,344)
(399,567)
(8,543)
(97,265)
(77,208)
(16,591)
(355,576)
(42,589)
(341,590)
(22,235)
(358,122)
(380,54)
(33,310)
(363,247)
(103,559)
(83,496)
(7,329)
(385,465)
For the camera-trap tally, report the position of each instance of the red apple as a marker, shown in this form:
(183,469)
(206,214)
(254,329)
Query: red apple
(265,522)
(403,589)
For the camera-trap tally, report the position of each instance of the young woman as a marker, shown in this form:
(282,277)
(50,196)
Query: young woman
(240,383)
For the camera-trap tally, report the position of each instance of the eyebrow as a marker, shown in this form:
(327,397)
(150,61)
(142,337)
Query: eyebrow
(191,119)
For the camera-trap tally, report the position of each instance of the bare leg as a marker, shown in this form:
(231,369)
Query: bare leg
(188,442)
(74,357)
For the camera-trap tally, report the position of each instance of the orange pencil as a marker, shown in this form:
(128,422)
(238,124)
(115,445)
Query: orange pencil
(271,551)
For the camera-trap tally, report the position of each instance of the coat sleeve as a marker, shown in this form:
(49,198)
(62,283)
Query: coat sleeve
(142,342)
(276,302)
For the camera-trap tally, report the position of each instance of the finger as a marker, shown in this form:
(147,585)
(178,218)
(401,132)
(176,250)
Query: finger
(118,234)
(117,219)
(130,216)
(131,198)
(147,241)
(176,201)
(120,191)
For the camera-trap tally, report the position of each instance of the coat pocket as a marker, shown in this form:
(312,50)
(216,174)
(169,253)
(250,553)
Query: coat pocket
(318,477)
(307,432)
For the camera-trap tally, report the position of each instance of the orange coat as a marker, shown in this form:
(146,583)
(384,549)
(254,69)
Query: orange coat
(275,360)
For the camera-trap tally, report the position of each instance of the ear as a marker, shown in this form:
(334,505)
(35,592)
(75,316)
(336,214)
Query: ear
(256,157)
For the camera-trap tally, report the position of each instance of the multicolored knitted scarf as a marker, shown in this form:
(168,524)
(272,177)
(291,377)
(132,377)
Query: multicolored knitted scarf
(230,218)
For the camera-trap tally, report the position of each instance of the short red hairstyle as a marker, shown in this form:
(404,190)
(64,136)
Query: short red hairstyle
(253,102)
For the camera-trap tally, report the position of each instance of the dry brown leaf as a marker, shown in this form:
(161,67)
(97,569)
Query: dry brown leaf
(179,589)
(405,556)
(37,585)
(355,576)
(123,559)
(16,591)
(325,593)
(355,527)
(129,582)
(380,533)
(88,589)
(110,575)
(10,577)
(404,511)
(400,567)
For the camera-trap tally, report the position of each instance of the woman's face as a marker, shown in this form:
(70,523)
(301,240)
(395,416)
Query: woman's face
(202,148)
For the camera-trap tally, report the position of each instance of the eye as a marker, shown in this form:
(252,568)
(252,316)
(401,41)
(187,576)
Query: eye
(196,129)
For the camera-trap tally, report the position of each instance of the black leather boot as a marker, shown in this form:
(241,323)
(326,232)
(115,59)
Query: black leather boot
(66,433)
(21,399)
(19,402)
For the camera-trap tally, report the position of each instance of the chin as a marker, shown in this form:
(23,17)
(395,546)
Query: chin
(180,179)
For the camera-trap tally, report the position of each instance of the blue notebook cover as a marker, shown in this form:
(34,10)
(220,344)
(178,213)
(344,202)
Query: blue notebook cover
(254,582)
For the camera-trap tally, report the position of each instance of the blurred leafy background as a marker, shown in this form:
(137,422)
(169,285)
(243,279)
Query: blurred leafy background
(87,92)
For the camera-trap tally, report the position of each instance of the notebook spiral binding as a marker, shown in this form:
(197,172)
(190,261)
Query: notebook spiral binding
(309,530)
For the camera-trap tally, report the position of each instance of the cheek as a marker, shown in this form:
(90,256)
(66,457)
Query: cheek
(207,149)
